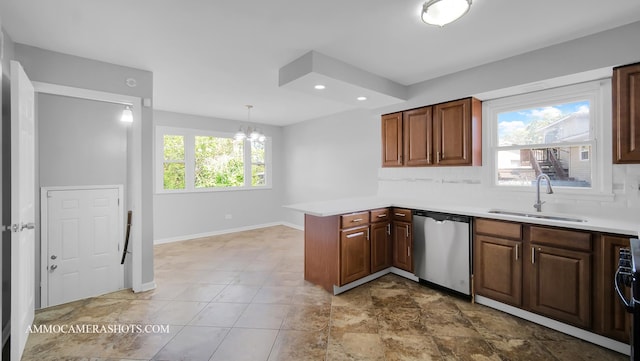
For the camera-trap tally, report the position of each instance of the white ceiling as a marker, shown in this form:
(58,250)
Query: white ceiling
(211,57)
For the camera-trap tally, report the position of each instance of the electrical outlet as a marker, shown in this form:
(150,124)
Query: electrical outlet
(228,216)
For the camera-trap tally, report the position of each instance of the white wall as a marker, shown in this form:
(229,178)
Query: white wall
(331,157)
(327,175)
(187,215)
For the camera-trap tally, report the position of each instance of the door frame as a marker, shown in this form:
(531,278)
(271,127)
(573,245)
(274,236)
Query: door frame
(44,232)
(133,198)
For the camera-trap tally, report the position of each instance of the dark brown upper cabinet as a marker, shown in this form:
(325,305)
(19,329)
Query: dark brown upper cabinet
(446,134)
(626,114)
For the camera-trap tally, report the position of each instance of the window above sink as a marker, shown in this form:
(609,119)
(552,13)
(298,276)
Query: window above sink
(557,132)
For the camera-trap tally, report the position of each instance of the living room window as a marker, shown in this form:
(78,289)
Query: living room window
(553,132)
(197,160)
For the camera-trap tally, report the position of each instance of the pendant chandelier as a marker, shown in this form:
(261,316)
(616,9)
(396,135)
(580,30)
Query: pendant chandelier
(249,133)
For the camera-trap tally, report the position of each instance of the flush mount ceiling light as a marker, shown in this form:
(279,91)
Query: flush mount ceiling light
(442,12)
(361,98)
(127,114)
(250,133)
(319,87)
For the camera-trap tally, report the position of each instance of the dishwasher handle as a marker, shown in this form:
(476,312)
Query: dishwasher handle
(442,217)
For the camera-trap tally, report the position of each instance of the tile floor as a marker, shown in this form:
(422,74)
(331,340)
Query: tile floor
(242,296)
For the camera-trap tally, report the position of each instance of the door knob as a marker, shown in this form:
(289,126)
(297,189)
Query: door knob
(29,225)
(53,256)
(53,267)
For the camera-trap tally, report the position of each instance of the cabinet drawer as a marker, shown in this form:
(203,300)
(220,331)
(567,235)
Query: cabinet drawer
(401,214)
(354,219)
(380,215)
(562,238)
(498,228)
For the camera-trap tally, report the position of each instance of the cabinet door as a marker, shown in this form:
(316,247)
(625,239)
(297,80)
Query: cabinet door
(402,246)
(616,321)
(417,137)
(354,254)
(381,251)
(626,114)
(452,132)
(392,140)
(560,285)
(498,269)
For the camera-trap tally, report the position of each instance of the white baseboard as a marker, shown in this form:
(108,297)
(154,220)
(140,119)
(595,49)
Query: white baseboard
(224,231)
(292,225)
(148,286)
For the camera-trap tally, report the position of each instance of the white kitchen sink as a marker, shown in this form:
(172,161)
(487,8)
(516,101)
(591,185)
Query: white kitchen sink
(536,215)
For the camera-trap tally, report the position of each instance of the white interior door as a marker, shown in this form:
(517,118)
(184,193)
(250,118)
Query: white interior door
(22,208)
(84,229)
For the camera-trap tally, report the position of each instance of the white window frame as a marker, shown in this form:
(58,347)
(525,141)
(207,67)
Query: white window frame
(189,159)
(599,95)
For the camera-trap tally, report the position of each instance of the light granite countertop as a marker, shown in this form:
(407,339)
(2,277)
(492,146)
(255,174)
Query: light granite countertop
(350,205)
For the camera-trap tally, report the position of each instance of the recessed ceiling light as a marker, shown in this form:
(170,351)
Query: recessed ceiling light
(319,86)
(361,98)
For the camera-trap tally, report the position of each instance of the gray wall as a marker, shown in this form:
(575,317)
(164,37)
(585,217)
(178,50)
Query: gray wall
(178,216)
(81,142)
(57,68)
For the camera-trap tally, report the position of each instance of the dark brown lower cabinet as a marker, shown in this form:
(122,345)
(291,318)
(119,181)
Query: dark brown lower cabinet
(381,247)
(560,284)
(402,246)
(616,322)
(498,269)
(354,254)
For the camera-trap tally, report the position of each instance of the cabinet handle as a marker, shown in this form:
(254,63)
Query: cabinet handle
(400,215)
(355,234)
(407,231)
(438,157)
(356,220)
(517,252)
(408,251)
(389,229)
(533,255)
(382,215)
(367,234)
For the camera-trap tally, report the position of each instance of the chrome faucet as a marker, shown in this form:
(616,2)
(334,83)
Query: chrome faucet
(538,204)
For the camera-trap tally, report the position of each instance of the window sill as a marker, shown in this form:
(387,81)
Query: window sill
(212,190)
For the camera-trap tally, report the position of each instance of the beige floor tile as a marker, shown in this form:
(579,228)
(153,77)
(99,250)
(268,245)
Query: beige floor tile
(193,344)
(219,314)
(200,292)
(178,312)
(308,318)
(141,311)
(356,320)
(258,315)
(410,347)
(274,294)
(355,346)
(299,346)
(244,344)
(237,293)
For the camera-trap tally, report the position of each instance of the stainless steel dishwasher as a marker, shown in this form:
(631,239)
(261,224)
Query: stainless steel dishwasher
(441,250)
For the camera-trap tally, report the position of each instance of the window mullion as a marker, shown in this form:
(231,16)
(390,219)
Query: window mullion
(189,161)
(247,163)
